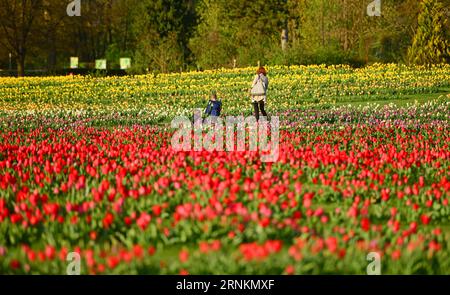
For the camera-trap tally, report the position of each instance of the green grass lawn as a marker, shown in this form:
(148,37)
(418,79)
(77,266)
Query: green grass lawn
(402,100)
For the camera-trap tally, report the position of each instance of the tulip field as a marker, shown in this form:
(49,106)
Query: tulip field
(86,166)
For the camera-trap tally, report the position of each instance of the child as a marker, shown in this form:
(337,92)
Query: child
(214,106)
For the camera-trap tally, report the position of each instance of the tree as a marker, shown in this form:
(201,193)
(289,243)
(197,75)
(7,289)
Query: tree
(248,31)
(162,29)
(16,22)
(211,43)
(163,56)
(49,26)
(430,45)
(395,30)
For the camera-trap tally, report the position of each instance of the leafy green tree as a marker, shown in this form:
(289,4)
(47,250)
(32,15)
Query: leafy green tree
(162,29)
(395,30)
(430,45)
(162,57)
(245,31)
(212,44)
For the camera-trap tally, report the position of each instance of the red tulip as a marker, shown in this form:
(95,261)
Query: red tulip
(108,220)
(365,224)
(183,256)
(425,219)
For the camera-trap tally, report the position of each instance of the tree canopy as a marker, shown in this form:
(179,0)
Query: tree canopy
(173,35)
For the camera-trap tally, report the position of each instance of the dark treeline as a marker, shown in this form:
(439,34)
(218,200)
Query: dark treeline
(171,35)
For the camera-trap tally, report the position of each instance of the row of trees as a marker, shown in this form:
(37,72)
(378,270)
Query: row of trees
(172,35)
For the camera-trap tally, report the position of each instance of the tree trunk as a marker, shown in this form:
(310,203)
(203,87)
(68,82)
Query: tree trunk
(51,58)
(323,23)
(345,27)
(20,65)
(284,39)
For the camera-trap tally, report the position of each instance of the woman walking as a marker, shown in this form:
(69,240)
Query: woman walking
(259,91)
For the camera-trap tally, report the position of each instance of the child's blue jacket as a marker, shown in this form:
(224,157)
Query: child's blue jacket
(213,108)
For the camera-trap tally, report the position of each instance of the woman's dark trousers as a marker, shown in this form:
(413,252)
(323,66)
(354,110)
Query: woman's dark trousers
(259,106)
